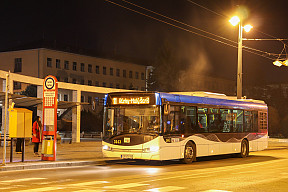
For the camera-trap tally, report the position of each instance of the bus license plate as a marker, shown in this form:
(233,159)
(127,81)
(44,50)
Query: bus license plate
(126,156)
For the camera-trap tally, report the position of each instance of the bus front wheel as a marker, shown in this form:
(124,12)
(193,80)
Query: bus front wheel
(189,152)
(244,149)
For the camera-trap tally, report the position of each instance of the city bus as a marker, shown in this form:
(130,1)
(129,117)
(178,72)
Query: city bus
(187,125)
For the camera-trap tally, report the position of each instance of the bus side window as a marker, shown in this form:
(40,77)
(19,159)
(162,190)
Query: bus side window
(202,120)
(172,120)
(191,125)
(238,121)
(183,120)
(255,121)
(226,120)
(248,121)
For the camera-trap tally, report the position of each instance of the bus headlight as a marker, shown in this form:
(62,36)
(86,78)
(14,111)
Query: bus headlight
(151,149)
(154,148)
(106,148)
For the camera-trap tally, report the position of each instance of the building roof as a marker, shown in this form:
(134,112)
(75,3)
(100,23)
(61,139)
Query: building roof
(59,46)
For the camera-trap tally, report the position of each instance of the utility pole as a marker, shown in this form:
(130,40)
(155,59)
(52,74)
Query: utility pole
(5,121)
(239,71)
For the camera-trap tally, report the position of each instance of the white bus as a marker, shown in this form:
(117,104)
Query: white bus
(166,126)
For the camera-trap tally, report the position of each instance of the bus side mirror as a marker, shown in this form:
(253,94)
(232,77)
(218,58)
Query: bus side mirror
(166,109)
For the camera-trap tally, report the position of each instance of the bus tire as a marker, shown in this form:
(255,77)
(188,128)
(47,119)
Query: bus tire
(244,149)
(189,152)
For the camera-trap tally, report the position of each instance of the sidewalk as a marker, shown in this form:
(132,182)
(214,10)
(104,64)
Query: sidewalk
(75,154)
(79,154)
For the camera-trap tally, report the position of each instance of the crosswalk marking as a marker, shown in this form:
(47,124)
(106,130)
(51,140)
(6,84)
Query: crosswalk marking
(166,189)
(88,183)
(215,190)
(124,186)
(40,189)
(21,180)
(88,190)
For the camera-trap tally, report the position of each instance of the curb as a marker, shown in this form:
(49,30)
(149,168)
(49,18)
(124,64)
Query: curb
(41,165)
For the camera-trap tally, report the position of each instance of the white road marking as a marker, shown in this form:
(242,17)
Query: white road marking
(166,189)
(165,176)
(40,189)
(53,182)
(215,190)
(124,186)
(21,180)
(88,190)
(88,183)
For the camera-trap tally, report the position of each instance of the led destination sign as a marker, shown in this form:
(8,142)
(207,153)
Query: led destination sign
(130,100)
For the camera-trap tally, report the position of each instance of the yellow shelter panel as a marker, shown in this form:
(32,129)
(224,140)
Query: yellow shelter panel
(28,125)
(20,123)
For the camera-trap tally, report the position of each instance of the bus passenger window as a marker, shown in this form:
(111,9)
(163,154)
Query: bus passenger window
(226,120)
(238,121)
(214,121)
(202,120)
(248,120)
(255,121)
(191,125)
(172,120)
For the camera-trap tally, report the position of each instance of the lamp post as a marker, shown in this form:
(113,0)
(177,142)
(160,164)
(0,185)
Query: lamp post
(239,68)
(234,21)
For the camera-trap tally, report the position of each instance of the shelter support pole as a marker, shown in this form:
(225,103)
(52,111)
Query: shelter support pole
(5,120)
(76,116)
(40,107)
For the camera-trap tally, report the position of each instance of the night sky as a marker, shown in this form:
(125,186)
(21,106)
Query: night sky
(102,27)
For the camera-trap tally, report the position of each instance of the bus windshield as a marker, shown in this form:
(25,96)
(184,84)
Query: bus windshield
(134,120)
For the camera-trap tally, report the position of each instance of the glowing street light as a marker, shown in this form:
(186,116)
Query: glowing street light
(234,21)
(247,28)
(280,63)
(277,63)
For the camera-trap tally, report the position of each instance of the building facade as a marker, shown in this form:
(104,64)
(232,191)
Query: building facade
(73,68)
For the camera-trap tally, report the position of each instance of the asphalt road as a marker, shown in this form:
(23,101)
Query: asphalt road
(261,171)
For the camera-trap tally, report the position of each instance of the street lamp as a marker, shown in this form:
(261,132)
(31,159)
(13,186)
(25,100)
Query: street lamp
(234,21)
(280,63)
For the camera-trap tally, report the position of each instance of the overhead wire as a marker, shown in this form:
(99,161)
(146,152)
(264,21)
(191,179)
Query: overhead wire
(187,30)
(274,38)
(179,21)
(154,12)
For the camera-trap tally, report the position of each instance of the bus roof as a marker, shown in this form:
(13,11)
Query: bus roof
(204,98)
(213,99)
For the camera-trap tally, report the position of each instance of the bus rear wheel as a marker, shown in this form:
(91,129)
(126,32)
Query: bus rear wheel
(244,149)
(189,152)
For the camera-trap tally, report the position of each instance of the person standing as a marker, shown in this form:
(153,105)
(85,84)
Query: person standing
(36,137)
